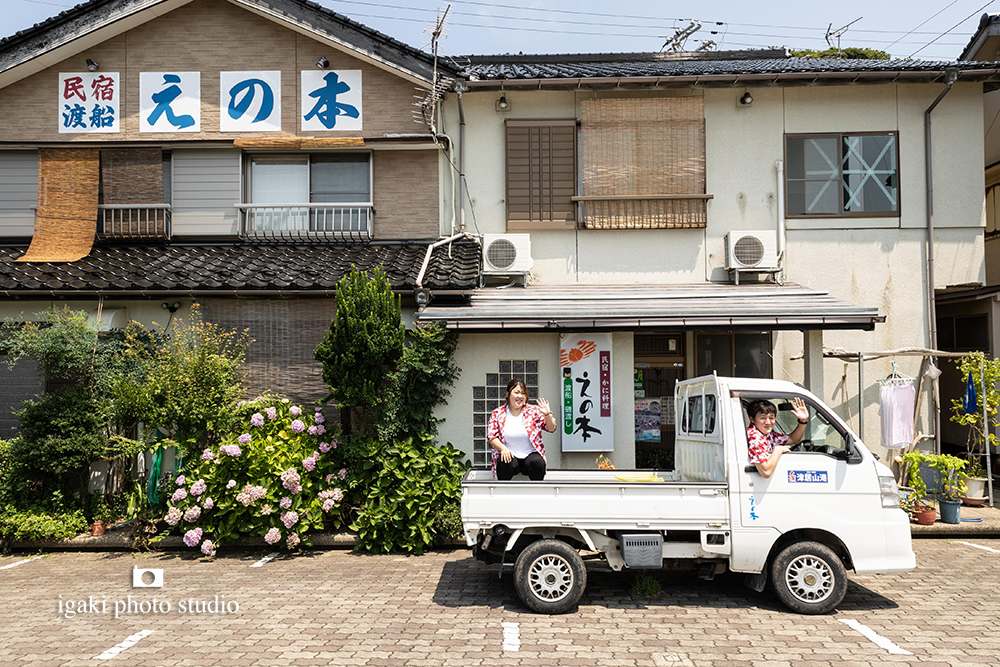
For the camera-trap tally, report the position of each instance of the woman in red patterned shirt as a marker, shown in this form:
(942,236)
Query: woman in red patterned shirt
(766,446)
(515,433)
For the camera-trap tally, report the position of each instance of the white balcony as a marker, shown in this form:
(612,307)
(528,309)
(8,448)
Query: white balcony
(133,222)
(306,223)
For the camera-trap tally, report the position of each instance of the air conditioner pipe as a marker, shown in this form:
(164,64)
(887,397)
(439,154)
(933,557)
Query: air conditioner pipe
(779,167)
(427,257)
(951,76)
(459,89)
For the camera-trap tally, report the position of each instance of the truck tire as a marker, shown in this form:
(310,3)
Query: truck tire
(550,577)
(809,578)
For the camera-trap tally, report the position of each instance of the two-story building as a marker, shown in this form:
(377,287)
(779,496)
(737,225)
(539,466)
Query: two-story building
(242,155)
(619,193)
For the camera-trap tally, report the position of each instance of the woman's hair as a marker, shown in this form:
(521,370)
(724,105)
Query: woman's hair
(513,384)
(761,407)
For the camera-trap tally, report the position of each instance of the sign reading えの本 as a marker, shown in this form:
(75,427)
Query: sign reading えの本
(588,423)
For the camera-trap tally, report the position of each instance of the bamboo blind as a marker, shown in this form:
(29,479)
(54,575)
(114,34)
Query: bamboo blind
(298,143)
(132,175)
(645,146)
(66,219)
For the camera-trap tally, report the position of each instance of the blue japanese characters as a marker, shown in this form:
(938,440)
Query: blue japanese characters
(250,101)
(170,101)
(89,102)
(331,100)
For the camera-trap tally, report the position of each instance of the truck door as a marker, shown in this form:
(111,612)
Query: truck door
(818,484)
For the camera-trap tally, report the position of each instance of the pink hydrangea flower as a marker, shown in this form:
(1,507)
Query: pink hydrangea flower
(285,503)
(173,516)
(297,425)
(320,429)
(180,481)
(273,536)
(179,495)
(207,455)
(290,479)
(313,430)
(192,513)
(257,419)
(289,518)
(244,439)
(324,447)
(243,498)
(208,548)
(231,483)
(318,409)
(334,443)
(328,505)
(198,487)
(231,450)
(192,537)
(310,463)
(293,541)
(265,510)
(328,478)
(295,411)
(296,489)
(319,418)
(209,503)
(343,473)
(272,413)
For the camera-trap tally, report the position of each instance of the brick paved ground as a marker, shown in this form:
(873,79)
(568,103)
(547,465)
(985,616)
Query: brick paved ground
(338,608)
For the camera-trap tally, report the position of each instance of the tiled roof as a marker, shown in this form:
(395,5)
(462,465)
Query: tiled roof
(652,65)
(236,268)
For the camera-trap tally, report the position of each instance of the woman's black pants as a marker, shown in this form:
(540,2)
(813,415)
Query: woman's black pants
(532,465)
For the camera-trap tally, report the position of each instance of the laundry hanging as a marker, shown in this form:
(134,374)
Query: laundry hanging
(897,398)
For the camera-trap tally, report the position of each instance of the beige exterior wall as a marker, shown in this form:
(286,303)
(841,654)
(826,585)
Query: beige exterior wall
(406,194)
(208,36)
(871,262)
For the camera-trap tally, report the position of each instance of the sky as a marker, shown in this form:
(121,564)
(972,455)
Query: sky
(927,29)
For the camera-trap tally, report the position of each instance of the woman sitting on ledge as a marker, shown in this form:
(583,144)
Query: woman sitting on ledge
(515,433)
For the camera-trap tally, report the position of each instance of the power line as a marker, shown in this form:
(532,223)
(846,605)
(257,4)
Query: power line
(951,28)
(911,32)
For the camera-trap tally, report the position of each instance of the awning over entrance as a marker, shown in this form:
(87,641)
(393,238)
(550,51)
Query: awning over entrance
(625,307)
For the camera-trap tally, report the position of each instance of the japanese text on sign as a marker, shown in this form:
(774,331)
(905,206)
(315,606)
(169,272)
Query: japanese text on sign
(88,102)
(585,361)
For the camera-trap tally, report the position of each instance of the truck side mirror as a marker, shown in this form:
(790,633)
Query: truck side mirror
(852,455)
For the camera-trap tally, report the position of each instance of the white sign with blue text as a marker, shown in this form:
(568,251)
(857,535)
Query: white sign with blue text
(89,102)
(331,100)
(250,101)
(170,101)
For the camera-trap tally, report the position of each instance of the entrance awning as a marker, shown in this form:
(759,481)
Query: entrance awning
(700,306)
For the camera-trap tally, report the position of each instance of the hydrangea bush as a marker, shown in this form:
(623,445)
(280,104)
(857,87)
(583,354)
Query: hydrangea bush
(278,477)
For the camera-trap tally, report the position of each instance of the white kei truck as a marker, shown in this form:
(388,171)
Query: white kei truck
(828,507)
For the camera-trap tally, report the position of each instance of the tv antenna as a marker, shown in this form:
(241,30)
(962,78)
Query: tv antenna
(427,100)
(676,43)
(838,33)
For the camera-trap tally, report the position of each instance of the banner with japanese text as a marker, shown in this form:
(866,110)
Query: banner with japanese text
(89,102)
(170,101)
(331,100)
(250,101)
(587,419)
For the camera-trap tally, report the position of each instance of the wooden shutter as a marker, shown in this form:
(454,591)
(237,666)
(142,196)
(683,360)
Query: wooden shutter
(132,175)
(541,174)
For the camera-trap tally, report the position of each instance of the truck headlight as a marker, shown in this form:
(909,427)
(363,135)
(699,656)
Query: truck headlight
(890,491)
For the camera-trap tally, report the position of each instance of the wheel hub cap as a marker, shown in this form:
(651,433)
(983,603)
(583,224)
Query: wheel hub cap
(550,578)
(810,579)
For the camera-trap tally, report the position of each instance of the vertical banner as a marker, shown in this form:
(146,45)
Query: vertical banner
(588,422)
(250,101)
(170,101)
(89,102)
(331,100)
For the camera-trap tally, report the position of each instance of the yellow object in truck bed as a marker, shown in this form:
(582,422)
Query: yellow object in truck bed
(638,477)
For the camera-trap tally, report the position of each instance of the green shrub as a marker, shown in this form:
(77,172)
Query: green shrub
(278,478)
(17,525)
(407,485)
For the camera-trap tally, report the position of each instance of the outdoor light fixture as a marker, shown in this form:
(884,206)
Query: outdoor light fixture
(93,66)
(172,307)
(503,104)
(747,99)
(322,63)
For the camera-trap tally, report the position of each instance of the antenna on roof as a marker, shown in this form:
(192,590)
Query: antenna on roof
(838,33)
(676,43)
(427,104)
(707,45)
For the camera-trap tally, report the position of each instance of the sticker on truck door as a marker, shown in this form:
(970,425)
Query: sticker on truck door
(808,476)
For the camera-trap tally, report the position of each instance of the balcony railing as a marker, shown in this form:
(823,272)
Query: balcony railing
(133,222)
(643,211)
(307,223)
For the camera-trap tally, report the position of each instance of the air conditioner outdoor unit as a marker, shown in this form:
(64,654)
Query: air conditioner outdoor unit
(506,253)
(752,250)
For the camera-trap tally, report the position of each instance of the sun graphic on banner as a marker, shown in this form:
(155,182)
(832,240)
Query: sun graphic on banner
(583,349)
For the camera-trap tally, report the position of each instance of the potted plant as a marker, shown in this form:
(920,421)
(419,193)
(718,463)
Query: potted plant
(979,367)
(914,504)
(953,476)
(975,492)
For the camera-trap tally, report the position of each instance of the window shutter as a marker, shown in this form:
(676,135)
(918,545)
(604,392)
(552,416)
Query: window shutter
(541,174)
(132,175)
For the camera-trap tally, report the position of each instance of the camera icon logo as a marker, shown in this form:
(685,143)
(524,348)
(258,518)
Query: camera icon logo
(147,577)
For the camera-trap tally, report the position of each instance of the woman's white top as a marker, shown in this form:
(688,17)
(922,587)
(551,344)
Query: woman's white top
(515,436)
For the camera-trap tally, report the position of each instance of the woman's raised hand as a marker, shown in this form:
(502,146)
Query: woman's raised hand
(544,406)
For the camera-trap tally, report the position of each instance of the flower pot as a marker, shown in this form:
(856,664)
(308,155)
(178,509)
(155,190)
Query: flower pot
(950,510)
(925,516)
(974,502)
(975,487)
(98,528)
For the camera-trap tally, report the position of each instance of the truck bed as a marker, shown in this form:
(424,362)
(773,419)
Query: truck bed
(602,500)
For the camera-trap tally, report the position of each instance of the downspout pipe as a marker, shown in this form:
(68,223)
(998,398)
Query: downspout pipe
(460,88)
(779,167)
(950,77)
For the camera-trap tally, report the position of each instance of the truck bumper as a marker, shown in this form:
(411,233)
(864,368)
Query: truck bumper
(899,556)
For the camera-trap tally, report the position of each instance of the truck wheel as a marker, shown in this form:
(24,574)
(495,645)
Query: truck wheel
(809,578)
(549,576)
